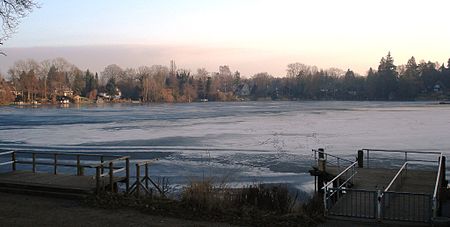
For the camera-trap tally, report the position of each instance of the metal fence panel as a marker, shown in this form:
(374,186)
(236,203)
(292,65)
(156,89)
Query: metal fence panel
(353,203)
(401,206)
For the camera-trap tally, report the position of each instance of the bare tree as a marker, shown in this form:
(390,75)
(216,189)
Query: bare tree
(11,11)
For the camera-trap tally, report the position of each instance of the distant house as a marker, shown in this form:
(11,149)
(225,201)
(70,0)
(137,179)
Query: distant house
(105,95)
(63,91)
(118,94)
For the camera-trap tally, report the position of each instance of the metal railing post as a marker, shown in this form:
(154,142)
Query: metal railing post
(325,205)
(379,203)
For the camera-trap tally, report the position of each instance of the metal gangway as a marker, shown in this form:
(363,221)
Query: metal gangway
(382,185)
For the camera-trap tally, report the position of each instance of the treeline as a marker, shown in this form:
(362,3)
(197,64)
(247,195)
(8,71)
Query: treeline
(44,81)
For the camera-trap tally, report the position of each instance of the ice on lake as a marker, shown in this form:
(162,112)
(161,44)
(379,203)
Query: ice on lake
(246,142)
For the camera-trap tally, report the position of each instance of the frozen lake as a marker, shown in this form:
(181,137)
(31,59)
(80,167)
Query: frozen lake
(244,142)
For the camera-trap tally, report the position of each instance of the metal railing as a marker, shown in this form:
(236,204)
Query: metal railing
(405,206)
(437,186)
(332,160)
(329,192)
(400,172)
(389,203)
(370,161)
(356,203)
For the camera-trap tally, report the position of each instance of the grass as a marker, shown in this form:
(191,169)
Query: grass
(254,205)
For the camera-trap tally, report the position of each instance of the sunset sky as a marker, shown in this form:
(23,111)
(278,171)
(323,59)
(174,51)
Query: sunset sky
(248,35)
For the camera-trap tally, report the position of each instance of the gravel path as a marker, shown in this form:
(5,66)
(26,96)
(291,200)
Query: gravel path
(25,210)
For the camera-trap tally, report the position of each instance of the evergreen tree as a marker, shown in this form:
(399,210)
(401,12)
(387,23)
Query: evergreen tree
(111,87)
(409,82)
(387,78)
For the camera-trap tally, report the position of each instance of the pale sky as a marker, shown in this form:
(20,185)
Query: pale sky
(248,35)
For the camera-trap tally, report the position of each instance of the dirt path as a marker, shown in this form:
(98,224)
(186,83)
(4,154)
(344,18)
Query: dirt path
(25,210)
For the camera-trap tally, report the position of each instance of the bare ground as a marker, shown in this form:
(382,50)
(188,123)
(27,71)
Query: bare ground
(26,210)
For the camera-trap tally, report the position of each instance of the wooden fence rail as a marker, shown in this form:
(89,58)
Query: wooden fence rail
(109,162)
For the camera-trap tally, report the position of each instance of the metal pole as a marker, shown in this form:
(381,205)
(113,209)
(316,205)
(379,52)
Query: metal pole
(325,207)
(379,197)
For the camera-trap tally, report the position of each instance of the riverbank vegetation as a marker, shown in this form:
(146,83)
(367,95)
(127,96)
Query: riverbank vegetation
(255,205)
(47,81)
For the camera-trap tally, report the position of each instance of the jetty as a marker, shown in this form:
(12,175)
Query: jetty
(382,185)
(68,174)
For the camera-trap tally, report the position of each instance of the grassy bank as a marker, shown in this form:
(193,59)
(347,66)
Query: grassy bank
(255,205)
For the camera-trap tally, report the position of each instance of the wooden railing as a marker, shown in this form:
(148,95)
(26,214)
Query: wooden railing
(100,174)
(101,162)
(143,183)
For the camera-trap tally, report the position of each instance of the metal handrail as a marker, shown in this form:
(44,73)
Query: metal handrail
(396,176)
(339,175)
(334,156)
(436,186)
(403,151)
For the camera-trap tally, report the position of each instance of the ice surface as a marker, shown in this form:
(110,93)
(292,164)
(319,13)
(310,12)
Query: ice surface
(266,142)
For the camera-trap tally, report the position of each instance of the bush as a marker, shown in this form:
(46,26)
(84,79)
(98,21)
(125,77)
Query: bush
(270,198)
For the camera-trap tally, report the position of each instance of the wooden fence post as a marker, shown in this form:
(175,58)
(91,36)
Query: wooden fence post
(13,159)
(146,175)
(138,181)
(101,161)
(97,178)
(34,162)
(55,163)
(111,176)
(78,166)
